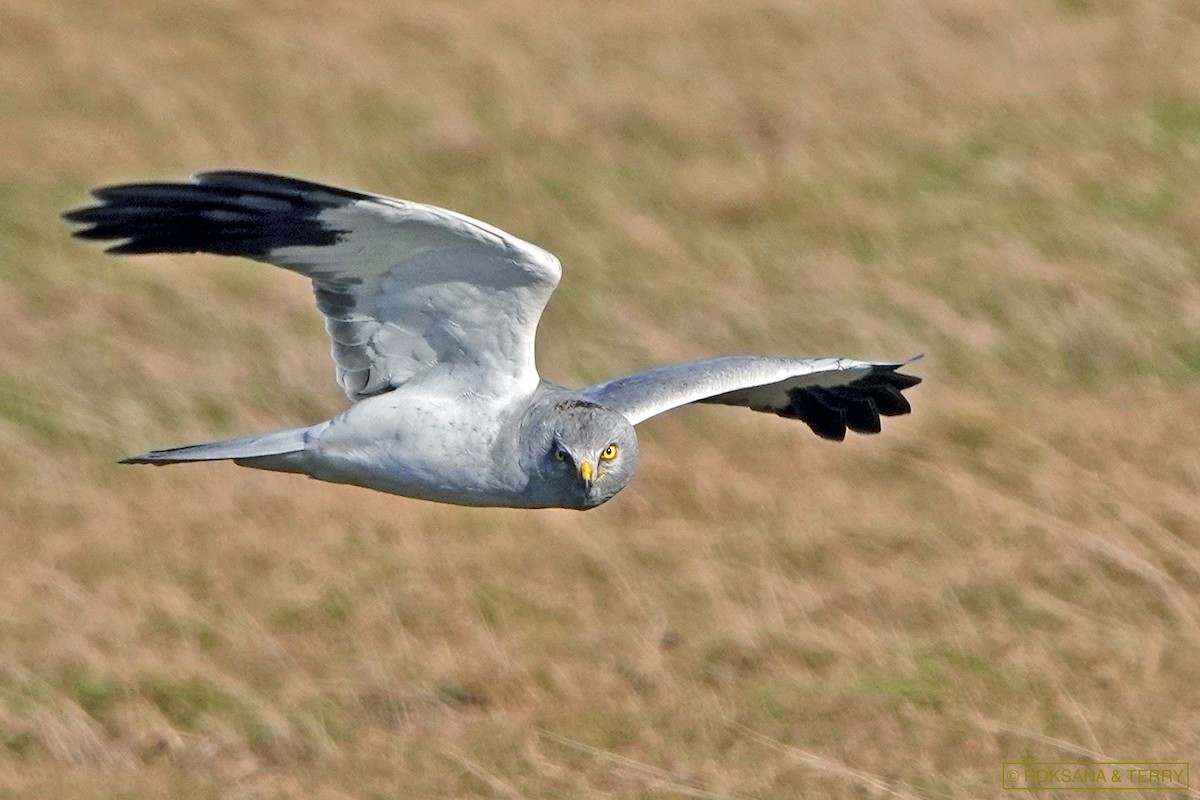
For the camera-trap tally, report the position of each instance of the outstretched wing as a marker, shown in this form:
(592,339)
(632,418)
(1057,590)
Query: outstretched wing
(830,394)
(404,287)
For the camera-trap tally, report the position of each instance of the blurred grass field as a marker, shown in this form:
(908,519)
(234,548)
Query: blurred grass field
(1011,573)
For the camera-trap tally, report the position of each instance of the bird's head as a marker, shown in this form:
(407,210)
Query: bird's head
(590,453)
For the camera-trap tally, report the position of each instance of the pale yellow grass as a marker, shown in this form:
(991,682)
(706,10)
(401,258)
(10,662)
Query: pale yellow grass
(1011,573)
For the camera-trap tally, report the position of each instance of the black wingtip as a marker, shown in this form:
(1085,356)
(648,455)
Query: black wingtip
(856,406)
(260,182)
(224,213)
(902,380)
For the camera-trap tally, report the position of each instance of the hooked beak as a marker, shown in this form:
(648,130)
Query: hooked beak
(585,473)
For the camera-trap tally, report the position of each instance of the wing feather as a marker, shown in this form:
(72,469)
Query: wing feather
(405,287)
(831,395)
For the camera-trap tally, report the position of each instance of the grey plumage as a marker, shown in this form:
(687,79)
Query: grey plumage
(244,447)
(431,317)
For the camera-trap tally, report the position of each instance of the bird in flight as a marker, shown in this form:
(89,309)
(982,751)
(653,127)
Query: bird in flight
(431,317)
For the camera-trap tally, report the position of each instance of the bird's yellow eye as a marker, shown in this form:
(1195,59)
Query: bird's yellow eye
(559,455)
(609,453)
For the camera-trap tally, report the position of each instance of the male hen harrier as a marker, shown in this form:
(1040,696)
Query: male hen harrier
(432,317)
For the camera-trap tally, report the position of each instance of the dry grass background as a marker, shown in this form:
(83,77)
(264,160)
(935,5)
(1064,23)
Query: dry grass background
(1010,573)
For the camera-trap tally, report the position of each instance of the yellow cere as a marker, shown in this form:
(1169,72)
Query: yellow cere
(585,470)
(609,453)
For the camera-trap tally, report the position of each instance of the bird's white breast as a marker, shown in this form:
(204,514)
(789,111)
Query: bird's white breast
(418,442)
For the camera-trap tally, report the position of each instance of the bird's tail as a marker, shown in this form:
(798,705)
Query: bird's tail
(277,451)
